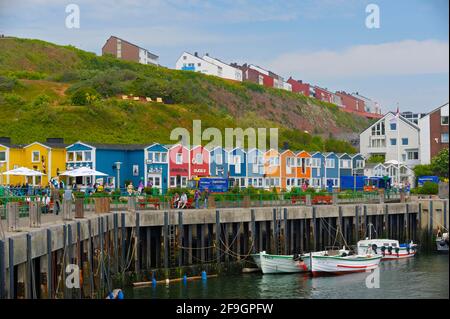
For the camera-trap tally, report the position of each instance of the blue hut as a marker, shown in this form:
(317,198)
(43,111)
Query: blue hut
(237,167)
(121,162)
(345,164)
(255,168)
(156,159)
(358,164)
(218,166)
(317,170)
(331,169)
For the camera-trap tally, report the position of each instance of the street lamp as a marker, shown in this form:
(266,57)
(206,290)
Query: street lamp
(117,164)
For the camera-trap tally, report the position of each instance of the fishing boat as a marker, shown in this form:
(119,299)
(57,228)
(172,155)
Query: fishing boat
(442,243)
(341,262)
(387,248)
(275,264)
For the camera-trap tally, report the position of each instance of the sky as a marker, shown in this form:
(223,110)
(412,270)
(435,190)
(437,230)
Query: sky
(404,62)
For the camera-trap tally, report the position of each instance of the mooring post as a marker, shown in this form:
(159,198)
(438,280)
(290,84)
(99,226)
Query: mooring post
(286,231)
(314,228)
(91,259)
(180,238)
(30,280)
(419,218)
(260,236)
(218,231)
(340,226)
(123,239)
(430,227)
(166,241)
(137,261)
(49,265)
(406,224)
(2,270)
(12,292)
(445,213)
(202,242)
(356,223)
(79,254)
(366,221)
(253,230)
(386,227)
(116,242)
(100,238)
(274,233)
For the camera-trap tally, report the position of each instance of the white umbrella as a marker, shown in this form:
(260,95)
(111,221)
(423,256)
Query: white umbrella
(23,171)
(393,162)
(83,171)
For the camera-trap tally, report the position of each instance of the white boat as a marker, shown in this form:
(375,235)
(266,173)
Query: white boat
(274,264)
(341,263)
(442,243)
(257,259)
(387,248)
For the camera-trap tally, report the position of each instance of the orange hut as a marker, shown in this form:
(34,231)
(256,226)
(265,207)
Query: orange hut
(303,168)
(288,170)
(272,171)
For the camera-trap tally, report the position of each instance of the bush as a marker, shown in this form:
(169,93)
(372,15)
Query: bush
(13,99)
(84,96)
(7,84)
(42,99)
(428,188)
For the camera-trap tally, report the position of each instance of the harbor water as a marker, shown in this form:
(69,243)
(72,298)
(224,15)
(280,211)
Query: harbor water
(424,276)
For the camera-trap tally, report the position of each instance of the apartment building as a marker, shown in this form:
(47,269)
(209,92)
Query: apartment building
(125,50)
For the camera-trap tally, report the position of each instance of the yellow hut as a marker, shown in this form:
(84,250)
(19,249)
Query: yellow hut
(10,158)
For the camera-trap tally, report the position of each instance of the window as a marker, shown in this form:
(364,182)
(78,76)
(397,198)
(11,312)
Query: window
(184,57)
(179,158)
(199,64)
(359,163)
(173,182)
(2,156)
(183,181)
(250,182)
(405,141)
(87,156)
(330,163)
(70,156)
(316,162)
(393,141)
(219,159)
(444,138)
(198,158)
(35,156)
(444,120)
(237,167)
(255,169)
(378,129)
(345,163)
(79,156)
(157,157)
(164,157)
(150,157)
(413,155)
(393,126)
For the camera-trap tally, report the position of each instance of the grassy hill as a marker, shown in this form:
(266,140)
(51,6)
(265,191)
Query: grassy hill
(39,83)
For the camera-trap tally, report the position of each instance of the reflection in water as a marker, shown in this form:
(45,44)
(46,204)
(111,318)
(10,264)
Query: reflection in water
(424,276)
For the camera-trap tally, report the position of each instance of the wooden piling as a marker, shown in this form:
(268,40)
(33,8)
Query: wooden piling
(166,241)
(180,238)
(253,230)
(2,270)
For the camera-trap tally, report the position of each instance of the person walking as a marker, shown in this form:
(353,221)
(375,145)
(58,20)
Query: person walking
(197,199)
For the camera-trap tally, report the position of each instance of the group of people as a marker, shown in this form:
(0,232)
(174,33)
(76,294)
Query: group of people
(182,201)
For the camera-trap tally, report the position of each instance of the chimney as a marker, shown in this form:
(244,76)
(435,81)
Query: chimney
(5,140)
(196,54)
(207,54)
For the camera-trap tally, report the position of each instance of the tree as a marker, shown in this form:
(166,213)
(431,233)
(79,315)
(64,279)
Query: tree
(439,163)
(423,170)
(375,159)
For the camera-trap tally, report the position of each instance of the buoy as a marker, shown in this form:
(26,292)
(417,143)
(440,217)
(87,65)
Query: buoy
(167,281)
(204,277)
(154,282)
(120,295)
(185,279)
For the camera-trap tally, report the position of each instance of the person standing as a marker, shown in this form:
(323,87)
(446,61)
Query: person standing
(183,201)
(130,188)
(206,196)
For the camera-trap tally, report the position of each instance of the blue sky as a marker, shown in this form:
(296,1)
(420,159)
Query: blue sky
(324,42)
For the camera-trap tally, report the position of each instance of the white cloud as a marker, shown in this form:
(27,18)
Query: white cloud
(393,58)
